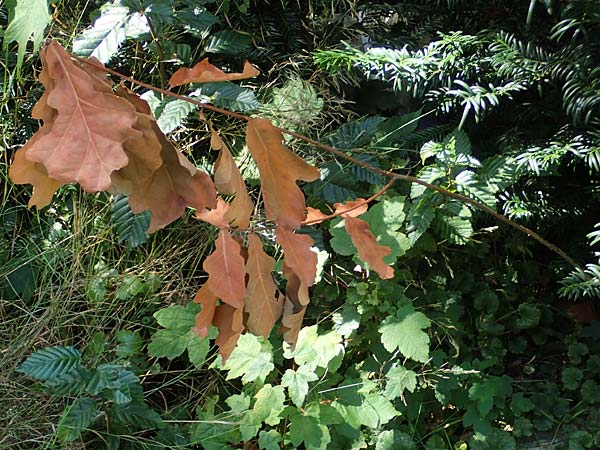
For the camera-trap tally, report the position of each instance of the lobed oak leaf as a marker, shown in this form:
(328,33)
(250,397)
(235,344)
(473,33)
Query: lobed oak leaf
(208,302)
(204,72)
(298,254)
(216,217)
(369,250)
(23,171)
(85,140)
(226,273)
(229,181)
(262,303)
(352,208)
(230,322)
(294,307)
(176,184)
(143,151)
(279,170)
(314,216)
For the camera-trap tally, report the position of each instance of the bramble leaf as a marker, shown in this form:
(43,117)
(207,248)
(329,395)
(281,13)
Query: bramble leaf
(404,331)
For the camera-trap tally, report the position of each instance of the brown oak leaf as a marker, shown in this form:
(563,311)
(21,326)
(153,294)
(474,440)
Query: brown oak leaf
(204,72)
(176,184)
(208,301)
(294,307)
(230,322)
(262,303)
(229,181)
(298,254)
(85,140)
(352,208)
(369,250)
(226,272)
(216,217)
(279,170)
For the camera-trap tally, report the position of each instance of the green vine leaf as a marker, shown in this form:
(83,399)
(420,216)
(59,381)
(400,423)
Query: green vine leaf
(399,379)
(269,404)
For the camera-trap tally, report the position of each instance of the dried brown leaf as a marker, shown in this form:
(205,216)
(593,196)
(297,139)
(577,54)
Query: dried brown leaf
(262,304)
(298,254)
(204,318)
(230,322)
(279,170)
(226,273)
(369,250)
(204,72)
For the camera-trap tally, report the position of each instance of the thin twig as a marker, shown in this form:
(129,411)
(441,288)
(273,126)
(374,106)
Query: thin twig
(367,166)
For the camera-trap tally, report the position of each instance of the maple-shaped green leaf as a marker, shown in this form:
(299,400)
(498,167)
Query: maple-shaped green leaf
(394,440)
(297,383)
(29,18)
(307,429)
(373,411)
(314,349)
(269,440)
(571,377)
(398,379)
(177,337)
(404,331)
(269,404)
(251,359)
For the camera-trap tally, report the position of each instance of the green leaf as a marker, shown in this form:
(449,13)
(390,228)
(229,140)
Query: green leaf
(355,134)
(229,42)
(51,362)
(172,114)
(307,429)
(269,404)
(230,96)
(29,18)
(130,227)
(519,404)
(528,316)
(394,440)
(314,349)
(571,377)
(197,349)
(404,331)
(107,34)
(137,415)
(269,440)
(178,335)
(297,383)
(76,419)
(495,440)
(373,411)
(398,379)
(252,359)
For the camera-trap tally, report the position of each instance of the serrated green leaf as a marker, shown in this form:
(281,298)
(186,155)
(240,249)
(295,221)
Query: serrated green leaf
(528,316)
(112,377)
(373,411)
(229,42)
(394,440)
(76,419)
(177,316)
(297,383)
(51,362)
(404,331)
(397,380)
(429,174)
(252,359)
(107,33)
(130,227)
(454,223)
(136,415)
(196,20)
(72,383)
(197,349)
(29,18)
(172,114)
(169,343)
(356,133)
(346,320)
(314,349)
(494,440)
(469,184)
(230,96)
(571,377)
(307,429)
(269,404)
(519,404)
(269,440)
